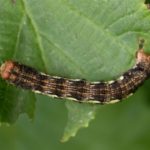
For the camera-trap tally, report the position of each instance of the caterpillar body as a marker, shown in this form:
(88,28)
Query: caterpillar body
(76,89)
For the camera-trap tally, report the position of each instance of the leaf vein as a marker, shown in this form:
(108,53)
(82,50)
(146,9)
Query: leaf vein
(79,68)
(35,29)
(106,32)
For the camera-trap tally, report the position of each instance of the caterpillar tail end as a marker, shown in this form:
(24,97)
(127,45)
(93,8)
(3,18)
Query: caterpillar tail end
(6,68)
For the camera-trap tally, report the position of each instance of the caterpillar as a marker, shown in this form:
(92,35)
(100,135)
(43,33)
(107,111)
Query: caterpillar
(79,90)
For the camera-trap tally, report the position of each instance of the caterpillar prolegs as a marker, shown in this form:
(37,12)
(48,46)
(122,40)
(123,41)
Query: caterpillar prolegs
(76,89)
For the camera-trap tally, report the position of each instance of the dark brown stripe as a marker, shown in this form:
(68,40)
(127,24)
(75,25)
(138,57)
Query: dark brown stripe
(78,89)
(59,89)
(116,90)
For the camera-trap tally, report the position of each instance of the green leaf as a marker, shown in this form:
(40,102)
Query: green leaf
(92,39)
(78,116)
(13,102)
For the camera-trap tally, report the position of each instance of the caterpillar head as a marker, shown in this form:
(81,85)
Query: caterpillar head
(143,59)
